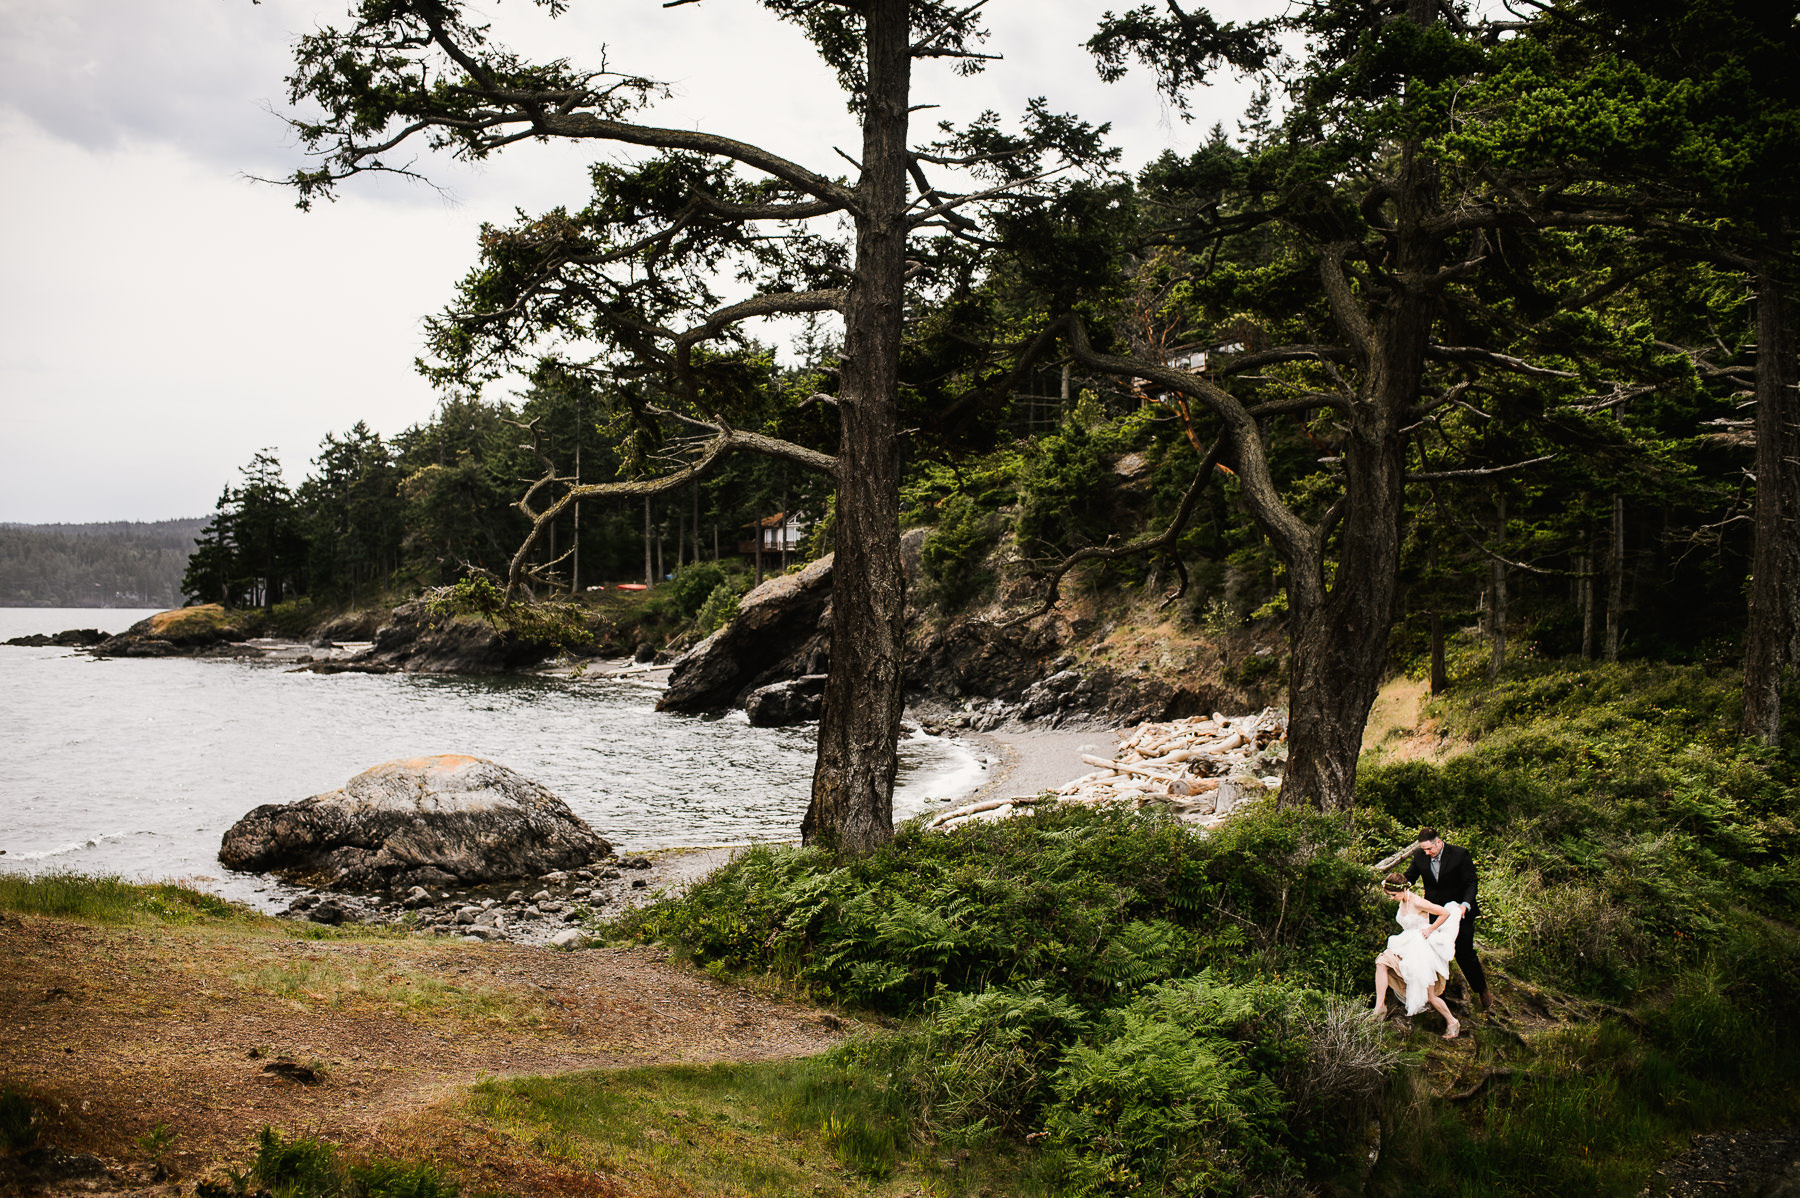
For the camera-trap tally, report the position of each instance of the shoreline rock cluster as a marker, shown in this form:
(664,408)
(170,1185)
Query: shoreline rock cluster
(1199,769)
(550,909)
(71,638)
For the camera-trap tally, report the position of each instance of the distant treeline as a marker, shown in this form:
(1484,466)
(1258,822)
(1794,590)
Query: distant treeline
(115,564)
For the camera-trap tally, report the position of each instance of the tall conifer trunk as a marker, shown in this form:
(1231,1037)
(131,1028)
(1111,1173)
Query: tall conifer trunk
(852,807)
(1772,640)
(1340,631)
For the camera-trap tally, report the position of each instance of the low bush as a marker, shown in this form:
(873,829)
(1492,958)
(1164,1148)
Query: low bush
(720,608)
(953,557)
(693,585)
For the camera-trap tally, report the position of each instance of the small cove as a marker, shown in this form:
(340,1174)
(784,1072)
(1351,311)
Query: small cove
(137,766)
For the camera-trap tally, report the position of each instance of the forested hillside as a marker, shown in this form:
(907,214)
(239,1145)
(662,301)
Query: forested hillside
(114,564)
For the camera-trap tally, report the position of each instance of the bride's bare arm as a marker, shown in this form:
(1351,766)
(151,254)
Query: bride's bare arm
(1430,908)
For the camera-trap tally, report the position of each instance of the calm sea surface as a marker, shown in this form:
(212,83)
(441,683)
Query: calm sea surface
(137,766)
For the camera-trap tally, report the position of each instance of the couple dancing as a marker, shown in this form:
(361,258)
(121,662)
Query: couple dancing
(1433,929)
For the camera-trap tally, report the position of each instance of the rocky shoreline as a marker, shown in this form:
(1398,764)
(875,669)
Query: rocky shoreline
(555,909)
(965,673)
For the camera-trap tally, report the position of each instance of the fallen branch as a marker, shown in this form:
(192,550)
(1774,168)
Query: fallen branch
(1387,863)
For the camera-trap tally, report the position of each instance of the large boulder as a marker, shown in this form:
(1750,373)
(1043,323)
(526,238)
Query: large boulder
(777,623)
(781,704)
(418,821)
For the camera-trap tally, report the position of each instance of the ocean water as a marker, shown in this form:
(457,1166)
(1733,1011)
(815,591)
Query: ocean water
(137,766)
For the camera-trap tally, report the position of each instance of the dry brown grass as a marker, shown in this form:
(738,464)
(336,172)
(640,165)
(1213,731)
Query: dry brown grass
(118,1030)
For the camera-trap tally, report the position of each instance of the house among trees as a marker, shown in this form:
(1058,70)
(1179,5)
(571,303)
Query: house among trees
(781,534)
(772,537)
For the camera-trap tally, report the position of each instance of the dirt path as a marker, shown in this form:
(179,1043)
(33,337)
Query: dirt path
(125,1030)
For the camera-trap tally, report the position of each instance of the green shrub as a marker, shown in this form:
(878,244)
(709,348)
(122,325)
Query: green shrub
(1064,493)
(720,608)
(1170,1099)
(1097,902)
(303,1167)
(692,586)
(982,1062)
(295,617)
(953,556)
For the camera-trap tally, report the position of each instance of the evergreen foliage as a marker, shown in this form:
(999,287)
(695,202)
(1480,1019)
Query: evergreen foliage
(115,564)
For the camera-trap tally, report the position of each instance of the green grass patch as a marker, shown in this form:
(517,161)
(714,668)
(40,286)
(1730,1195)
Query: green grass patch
(309,1167)
(112,899)
(829,1125)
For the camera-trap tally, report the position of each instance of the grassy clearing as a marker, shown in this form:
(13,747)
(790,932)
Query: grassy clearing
(335,983)
(385,982)
(825,1126)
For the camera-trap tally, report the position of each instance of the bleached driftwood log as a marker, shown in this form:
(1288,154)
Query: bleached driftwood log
(1199,769)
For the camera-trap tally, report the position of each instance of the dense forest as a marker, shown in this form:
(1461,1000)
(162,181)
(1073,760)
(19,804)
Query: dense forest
(1467,353)
(375,519)
(1470,319)
(117,564)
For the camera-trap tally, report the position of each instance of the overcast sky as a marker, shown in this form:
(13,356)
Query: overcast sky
(163,317)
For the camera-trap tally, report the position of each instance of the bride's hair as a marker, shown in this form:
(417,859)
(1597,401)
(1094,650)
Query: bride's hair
(1394,883)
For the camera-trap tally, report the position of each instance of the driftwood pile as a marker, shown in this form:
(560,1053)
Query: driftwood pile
(1197,769)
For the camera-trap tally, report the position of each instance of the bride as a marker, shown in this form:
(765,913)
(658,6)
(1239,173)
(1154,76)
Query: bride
(1417,959)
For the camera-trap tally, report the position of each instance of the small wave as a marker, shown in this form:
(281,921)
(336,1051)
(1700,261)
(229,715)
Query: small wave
(75,846)
(939,770)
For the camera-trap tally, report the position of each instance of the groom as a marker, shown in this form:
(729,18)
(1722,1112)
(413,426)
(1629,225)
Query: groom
(1449,875)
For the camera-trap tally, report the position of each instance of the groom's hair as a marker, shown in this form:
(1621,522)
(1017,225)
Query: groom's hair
(1427,835)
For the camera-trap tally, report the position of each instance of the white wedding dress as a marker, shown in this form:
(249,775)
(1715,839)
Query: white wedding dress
(1423,959)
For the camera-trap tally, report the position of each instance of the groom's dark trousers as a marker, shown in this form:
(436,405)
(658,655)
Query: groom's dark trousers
(1454,883)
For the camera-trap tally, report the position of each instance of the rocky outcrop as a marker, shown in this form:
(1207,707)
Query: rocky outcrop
(417,640)
(206,629)
(427,821)
(778,634)
(978,659)
(351,626)
(73,638)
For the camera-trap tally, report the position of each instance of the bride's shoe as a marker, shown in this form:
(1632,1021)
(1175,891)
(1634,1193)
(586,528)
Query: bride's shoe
(1453,1031)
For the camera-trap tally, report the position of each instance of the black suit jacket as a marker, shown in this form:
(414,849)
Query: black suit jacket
(1455,882)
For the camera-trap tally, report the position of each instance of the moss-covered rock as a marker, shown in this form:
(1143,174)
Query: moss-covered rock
(208,627)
